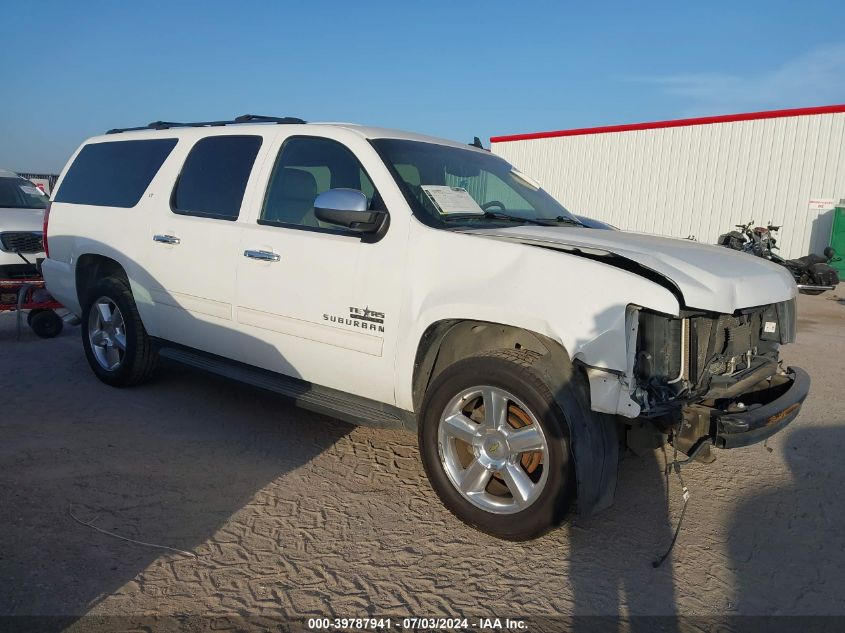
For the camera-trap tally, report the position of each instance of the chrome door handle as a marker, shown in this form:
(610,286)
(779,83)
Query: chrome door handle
(266,256)
(167,239)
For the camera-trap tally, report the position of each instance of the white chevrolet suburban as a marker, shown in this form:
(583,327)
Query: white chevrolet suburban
(399,280)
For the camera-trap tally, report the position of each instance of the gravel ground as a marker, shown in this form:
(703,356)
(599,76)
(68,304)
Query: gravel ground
(288,512)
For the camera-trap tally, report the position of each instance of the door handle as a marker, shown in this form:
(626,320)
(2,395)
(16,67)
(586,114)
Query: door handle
(167,239)
(265,256)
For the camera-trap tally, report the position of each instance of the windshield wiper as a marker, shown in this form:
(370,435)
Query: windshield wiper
(498,215)
(562,219)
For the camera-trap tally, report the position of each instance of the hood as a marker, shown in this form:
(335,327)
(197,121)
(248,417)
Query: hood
(21,220)
(708,277)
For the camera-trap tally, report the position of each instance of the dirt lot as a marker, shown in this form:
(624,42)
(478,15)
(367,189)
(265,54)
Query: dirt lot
(288,512)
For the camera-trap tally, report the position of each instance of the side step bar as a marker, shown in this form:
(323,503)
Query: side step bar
(331,402)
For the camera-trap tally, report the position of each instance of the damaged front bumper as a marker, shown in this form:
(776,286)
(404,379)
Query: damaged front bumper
(755,425)
(746,419)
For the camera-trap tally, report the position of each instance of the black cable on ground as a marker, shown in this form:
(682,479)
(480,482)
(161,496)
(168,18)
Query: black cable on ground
(676,466)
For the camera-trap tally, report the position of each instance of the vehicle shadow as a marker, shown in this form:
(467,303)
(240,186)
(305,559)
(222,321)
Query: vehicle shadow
(167,463)
(612,552)
(775,545)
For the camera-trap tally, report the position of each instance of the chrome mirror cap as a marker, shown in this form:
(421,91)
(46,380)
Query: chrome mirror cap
(341,200)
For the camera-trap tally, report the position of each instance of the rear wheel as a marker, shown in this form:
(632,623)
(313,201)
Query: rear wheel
(495,445)
(116,344)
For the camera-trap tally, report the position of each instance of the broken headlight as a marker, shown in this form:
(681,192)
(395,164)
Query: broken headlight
(661,364)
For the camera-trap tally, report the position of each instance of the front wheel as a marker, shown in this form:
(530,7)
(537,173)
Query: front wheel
(116,344)
(495,445)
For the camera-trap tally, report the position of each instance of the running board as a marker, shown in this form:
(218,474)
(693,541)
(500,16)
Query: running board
(331,402)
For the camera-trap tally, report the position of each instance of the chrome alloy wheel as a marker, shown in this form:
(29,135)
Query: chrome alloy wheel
(493,450)
(107,333)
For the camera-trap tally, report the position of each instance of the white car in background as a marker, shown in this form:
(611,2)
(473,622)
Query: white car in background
(22,207)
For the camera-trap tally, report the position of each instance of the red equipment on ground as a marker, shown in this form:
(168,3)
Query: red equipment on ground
(30,294)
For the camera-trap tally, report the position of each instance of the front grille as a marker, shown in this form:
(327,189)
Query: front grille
(21,241)
(720,344)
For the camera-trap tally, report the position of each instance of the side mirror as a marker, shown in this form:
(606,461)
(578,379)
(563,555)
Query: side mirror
(348,208)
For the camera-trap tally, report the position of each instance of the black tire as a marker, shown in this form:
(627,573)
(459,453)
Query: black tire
(31,314)
(45,323)
(140,358)
(512,370)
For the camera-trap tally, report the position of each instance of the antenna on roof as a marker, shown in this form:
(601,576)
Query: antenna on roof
(476,142)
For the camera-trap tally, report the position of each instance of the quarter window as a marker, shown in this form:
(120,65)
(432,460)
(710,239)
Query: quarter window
(214,177)
(115,173)
(305,168)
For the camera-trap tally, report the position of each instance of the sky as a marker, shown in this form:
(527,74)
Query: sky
(453,69)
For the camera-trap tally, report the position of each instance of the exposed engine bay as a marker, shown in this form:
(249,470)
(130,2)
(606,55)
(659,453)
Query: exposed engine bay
(695,370)
(701,355)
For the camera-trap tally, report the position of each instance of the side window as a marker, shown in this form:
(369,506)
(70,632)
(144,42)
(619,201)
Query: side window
(305,168)
(114,173)
(214,177)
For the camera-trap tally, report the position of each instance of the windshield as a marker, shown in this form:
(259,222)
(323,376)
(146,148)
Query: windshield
(449,187)
(18,193)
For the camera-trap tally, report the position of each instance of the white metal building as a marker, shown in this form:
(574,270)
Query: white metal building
(698,176)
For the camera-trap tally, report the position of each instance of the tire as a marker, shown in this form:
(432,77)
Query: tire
(119,351)
(45,323)
(31,314)
(448,460)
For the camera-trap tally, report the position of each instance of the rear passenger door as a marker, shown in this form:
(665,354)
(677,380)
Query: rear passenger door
(193,244)
(315,301)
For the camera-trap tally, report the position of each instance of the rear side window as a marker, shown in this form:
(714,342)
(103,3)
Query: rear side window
(214,177)
(114,174)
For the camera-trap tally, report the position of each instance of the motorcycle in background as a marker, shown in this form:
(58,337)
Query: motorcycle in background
(812,273)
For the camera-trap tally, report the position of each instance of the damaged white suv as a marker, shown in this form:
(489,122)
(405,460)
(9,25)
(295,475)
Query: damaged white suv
(398,280)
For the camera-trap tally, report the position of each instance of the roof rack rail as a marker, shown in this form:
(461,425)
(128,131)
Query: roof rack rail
(244,118)
(260,118)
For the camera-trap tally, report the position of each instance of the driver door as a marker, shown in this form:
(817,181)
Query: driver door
(313,301)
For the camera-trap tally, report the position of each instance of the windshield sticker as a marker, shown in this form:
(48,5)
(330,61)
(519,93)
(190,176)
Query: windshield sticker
(452,200)
(31,190)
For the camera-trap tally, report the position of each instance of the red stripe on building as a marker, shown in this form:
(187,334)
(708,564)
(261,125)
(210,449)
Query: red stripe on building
(656,125)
